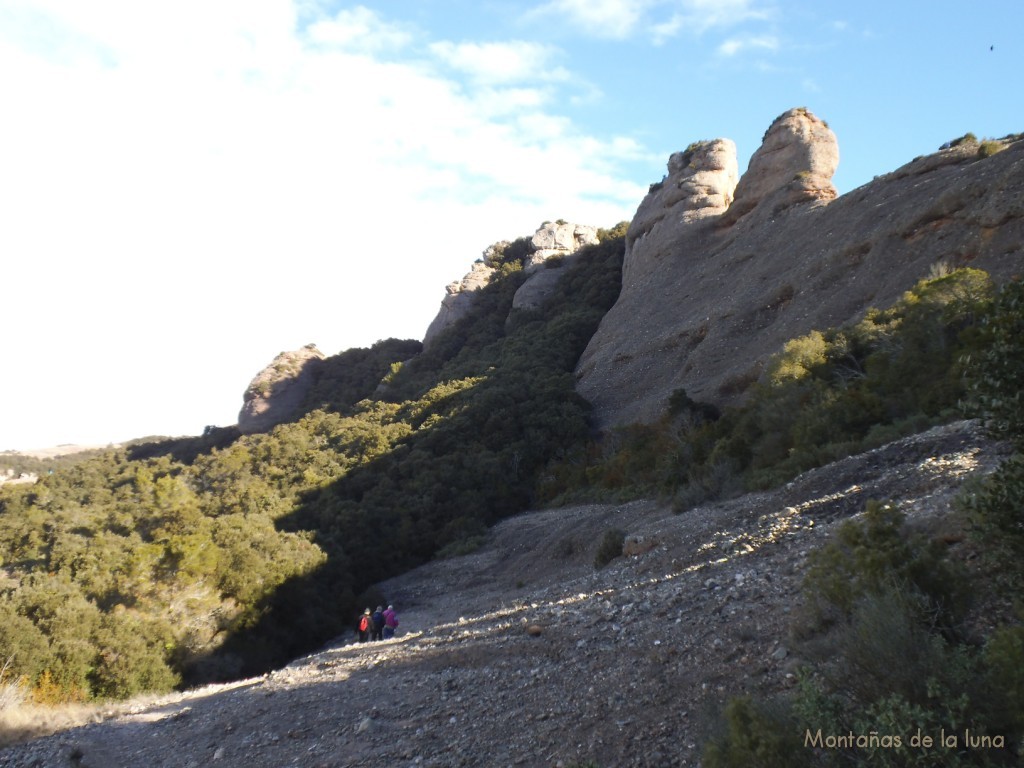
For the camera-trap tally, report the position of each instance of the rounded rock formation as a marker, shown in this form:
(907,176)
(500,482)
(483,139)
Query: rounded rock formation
(276,393)
(795,163)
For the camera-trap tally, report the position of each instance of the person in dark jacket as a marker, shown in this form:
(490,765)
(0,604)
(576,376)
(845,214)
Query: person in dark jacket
(378,624)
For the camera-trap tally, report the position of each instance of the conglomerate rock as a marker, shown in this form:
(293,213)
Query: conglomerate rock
(713,286)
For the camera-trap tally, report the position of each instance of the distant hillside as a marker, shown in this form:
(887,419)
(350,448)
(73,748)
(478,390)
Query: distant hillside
(42,460)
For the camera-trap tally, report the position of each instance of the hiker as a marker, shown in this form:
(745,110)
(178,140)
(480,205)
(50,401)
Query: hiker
(365,626)
(378,624)
(390,622)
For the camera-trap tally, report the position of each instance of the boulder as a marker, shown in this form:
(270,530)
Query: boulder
(700,184)
(559,238)
(277,392)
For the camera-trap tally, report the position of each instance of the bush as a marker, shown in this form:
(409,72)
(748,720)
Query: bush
(996,374)
(988,148)
(996,395)
(461,547)
(757,733)
(1004,663)
(13,693)
(610,548)
(874,555)
(995,507)
(888,647)
(967,138)
(565,548)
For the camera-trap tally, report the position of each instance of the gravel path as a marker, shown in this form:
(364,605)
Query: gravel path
(522,654)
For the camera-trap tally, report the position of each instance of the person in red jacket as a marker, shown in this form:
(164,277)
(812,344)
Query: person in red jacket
(365,626)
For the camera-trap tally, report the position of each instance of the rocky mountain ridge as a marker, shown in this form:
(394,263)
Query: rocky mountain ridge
(720,272)
(276,393)
(522,654)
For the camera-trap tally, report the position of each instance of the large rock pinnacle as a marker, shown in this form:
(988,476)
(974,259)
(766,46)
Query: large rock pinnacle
(700,184)
(795,164)
(719,275)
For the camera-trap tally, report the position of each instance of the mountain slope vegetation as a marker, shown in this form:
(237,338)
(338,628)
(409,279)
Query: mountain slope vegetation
(186,561)
(180,562)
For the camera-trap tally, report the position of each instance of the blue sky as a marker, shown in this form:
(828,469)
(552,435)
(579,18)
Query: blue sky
(189,188)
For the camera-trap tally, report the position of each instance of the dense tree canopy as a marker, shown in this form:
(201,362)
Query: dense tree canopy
(195,559)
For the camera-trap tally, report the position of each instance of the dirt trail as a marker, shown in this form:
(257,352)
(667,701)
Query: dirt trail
(522,654)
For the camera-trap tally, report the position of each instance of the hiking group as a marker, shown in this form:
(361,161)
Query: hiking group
(379,625)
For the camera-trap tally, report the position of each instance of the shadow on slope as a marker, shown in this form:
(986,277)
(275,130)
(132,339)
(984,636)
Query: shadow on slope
(455,444)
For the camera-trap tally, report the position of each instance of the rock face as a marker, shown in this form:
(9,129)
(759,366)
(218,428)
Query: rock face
(274,396)
(458,299)
(559,238)
(555,246)
(552,239)
(717,278)
(700,184)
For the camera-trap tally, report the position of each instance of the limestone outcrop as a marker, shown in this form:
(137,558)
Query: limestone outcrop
(555,247)
(558,238)
(545,263)
(275,395)
(713,286)
(458,299)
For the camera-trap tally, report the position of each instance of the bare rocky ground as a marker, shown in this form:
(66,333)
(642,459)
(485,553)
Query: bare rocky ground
(522,654)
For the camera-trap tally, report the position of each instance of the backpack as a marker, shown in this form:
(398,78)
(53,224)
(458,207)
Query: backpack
(378,620)
(364,623)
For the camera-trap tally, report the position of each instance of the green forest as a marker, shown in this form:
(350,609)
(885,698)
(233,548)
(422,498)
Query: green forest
(176,562)
(173,562)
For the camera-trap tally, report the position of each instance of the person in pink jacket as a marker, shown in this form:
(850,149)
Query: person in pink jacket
(390,622)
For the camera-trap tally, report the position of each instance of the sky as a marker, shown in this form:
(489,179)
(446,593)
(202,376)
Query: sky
(189,188)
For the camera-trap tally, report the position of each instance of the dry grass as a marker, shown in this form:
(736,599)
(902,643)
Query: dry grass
(21,720)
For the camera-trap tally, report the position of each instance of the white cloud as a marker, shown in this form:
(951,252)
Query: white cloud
(502,63)
(659,20)
(702,15)
(735,46)
(598,18)
(187,193)
(358,29)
